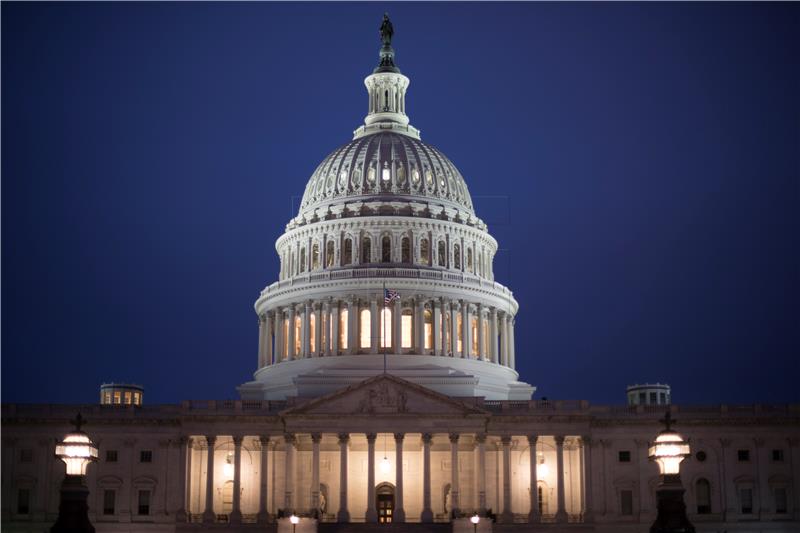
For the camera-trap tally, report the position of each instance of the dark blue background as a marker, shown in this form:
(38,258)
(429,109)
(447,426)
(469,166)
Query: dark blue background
(638,164)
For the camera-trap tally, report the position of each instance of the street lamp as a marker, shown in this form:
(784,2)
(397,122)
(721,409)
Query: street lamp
(77,451)
(475,519)
(668,450)
(294,519)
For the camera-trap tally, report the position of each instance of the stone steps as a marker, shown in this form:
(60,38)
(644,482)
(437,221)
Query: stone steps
(332,527)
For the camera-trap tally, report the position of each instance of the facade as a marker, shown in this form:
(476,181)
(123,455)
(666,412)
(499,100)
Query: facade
(385,391)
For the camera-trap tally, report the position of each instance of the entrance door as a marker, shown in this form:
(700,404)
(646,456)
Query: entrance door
(384,495)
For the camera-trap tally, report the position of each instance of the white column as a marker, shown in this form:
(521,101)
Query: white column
(280,353)
(427,511)
(334,328)
(268,338)
(454,328)
(236,512)
(263,514)
(504,340)
(288,500)
(466,340)
(262,326)
(534,516)
(371,515)
(290,353)
(512,361)
(454,492)
(398,326)
(507,516)
(588,513)
(419,324)
(437,327)
(481,339)
(561,513)
(208,515)
(180,514)
(399,511)
(316,438)
(317,329)
(493,336)
(352,321)
(305,343)
(344,514)
(377,325)
(480,475)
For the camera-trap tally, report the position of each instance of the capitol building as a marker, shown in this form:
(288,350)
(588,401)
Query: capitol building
(385,391)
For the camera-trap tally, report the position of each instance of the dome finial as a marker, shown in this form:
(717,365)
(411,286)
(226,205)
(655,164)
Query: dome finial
(387,53)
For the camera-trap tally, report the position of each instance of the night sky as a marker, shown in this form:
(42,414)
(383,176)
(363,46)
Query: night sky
(639,165)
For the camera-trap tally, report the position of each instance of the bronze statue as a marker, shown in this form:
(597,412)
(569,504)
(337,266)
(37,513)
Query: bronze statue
(386,30)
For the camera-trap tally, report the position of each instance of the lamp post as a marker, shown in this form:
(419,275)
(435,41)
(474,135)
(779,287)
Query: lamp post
(475,519)
(77,451)
(294,519)
(668,450)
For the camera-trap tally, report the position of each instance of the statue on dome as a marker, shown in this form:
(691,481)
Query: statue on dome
(387,30)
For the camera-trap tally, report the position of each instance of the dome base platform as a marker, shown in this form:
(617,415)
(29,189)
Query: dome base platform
(318,376)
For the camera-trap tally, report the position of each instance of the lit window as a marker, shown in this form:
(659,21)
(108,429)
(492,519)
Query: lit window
(473,328)
(285,337)
(329,254)
(128,397)
(343,329)
(406,327)
(428,317)
(107,397)
(117,397)
(386,173)
(428,177)
(386,328)
(459,331)
(312,332)
(441,184)
(137,398)
(366,330)
(315,256)
(298,328)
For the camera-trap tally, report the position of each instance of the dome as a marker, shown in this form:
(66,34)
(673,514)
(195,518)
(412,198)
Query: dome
(389,166)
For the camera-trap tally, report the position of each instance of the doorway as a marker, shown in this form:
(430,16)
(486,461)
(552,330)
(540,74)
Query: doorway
(384,502)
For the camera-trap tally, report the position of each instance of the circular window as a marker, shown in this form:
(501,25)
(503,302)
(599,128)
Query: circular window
(700,456)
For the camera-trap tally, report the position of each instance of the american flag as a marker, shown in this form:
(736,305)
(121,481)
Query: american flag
(390,295)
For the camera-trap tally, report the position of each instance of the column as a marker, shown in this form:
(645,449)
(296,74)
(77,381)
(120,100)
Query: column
(236,512)
(280,353)
(377,325)
(728,490)
(588,512)
(263,514)
(427,511)
(399,510)
(419,324)
(397,318)
(316,438)
(208,515)
(561,513)
(268,338)
(262,319)
(466,337)
(290,351)
(437,327)
(317,330)
(454,503)
(352,321)
(501,356)
(334,329)
(481,340)
(480,475)
(288,503)
(344,514)
(534,516)
(493,336)
(507,516)
(512,361)
(180,514)
(305,342)
(454,328)
(371,514)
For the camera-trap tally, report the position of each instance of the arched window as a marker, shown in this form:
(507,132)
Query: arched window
(424,252)
(347,255)
(459,334)
(406,321)
(446,329)
(457,256)
(312,332)
(302,260)
(386,100)
(366,250)
(405,250)
(315,256)
(428,319)
(485,326)
(469,261)
(343,329)
(365,329)
(386,327)
(703,492)
(442,253)
(473,328)
(386,249)
(386,173)
(329,254)
(298,337)
(285,338)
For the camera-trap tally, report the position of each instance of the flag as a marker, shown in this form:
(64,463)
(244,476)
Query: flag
(390,295)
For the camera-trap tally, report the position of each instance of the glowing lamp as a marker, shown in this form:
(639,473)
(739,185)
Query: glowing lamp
(475,519)
(669,449)
(76,450)
(294,519)
(542,470)
(386,466)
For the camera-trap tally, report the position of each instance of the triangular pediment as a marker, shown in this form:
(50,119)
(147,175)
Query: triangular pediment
(384,395)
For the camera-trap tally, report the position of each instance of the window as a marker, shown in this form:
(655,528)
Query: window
(343,329)
(137,398)
(442,252)
(128,397)
(302,259)
(469,260)
(386,328)
(448,349)
(780,500)
(144,502)
(386,249)
(540,498)
(405,250)
(473,328)
(312,332)
(371,175)
(329,254)
(315,256)
(743,455)
(746,501)
(109,499)
(626,502)
(642,398)
(111,456)
(653,398)
(703,490)
(366,329)
(415,175)
(366,250)
(386,173)
(145,456)
(347,256)
(23,501)
(428,319)
(424,252)
(662,398)
(777,456)
(106,397)
(700,456)
(298,337)
(26,455)
(457,256)
(285,337)
(459,334)
(624,456)
(117,397)
(406,321)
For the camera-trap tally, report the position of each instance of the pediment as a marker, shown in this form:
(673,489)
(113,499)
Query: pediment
(384,395)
